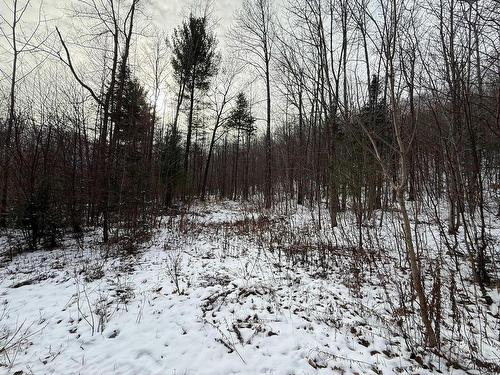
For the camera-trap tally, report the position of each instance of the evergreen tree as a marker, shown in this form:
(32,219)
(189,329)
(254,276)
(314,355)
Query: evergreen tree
(241,117)
(242,121)
(132,125)
(195,61)
(375,113)
(170,161)
(376,120)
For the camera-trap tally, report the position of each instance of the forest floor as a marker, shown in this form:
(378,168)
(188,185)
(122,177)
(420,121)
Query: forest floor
(212,292)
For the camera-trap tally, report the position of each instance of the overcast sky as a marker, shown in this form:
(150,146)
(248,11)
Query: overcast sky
(169,13)
(165,14)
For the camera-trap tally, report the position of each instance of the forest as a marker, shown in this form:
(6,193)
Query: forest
(263,186)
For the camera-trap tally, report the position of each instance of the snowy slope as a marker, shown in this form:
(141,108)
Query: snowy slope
(239,309)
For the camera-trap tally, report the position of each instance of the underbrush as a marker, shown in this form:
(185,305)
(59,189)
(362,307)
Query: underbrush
(257,271)
(371,261)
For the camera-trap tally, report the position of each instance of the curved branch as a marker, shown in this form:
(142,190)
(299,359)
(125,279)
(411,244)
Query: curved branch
(73,71)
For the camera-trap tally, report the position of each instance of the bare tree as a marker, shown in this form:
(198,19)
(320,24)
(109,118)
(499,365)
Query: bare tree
(253,38)
(156,72)
(222,94)
(20,40)
(392,26)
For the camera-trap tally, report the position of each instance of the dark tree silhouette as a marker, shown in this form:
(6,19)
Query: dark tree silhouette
(195,61)
(133,122)
(242,121)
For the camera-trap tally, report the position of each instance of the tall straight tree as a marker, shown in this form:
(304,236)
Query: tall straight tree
(241,119)
(253,36)
(195,62)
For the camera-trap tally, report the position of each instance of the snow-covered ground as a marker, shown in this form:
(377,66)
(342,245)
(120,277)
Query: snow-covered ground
(214,293)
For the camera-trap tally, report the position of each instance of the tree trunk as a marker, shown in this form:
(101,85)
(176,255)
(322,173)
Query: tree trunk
(268,182)
(188,137)
(415,271)
(10,124)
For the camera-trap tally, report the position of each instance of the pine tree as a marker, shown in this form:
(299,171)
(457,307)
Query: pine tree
(132,125)
(242,121)
(241,117)
(195,62)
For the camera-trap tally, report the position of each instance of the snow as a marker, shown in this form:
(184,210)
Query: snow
(241,308)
